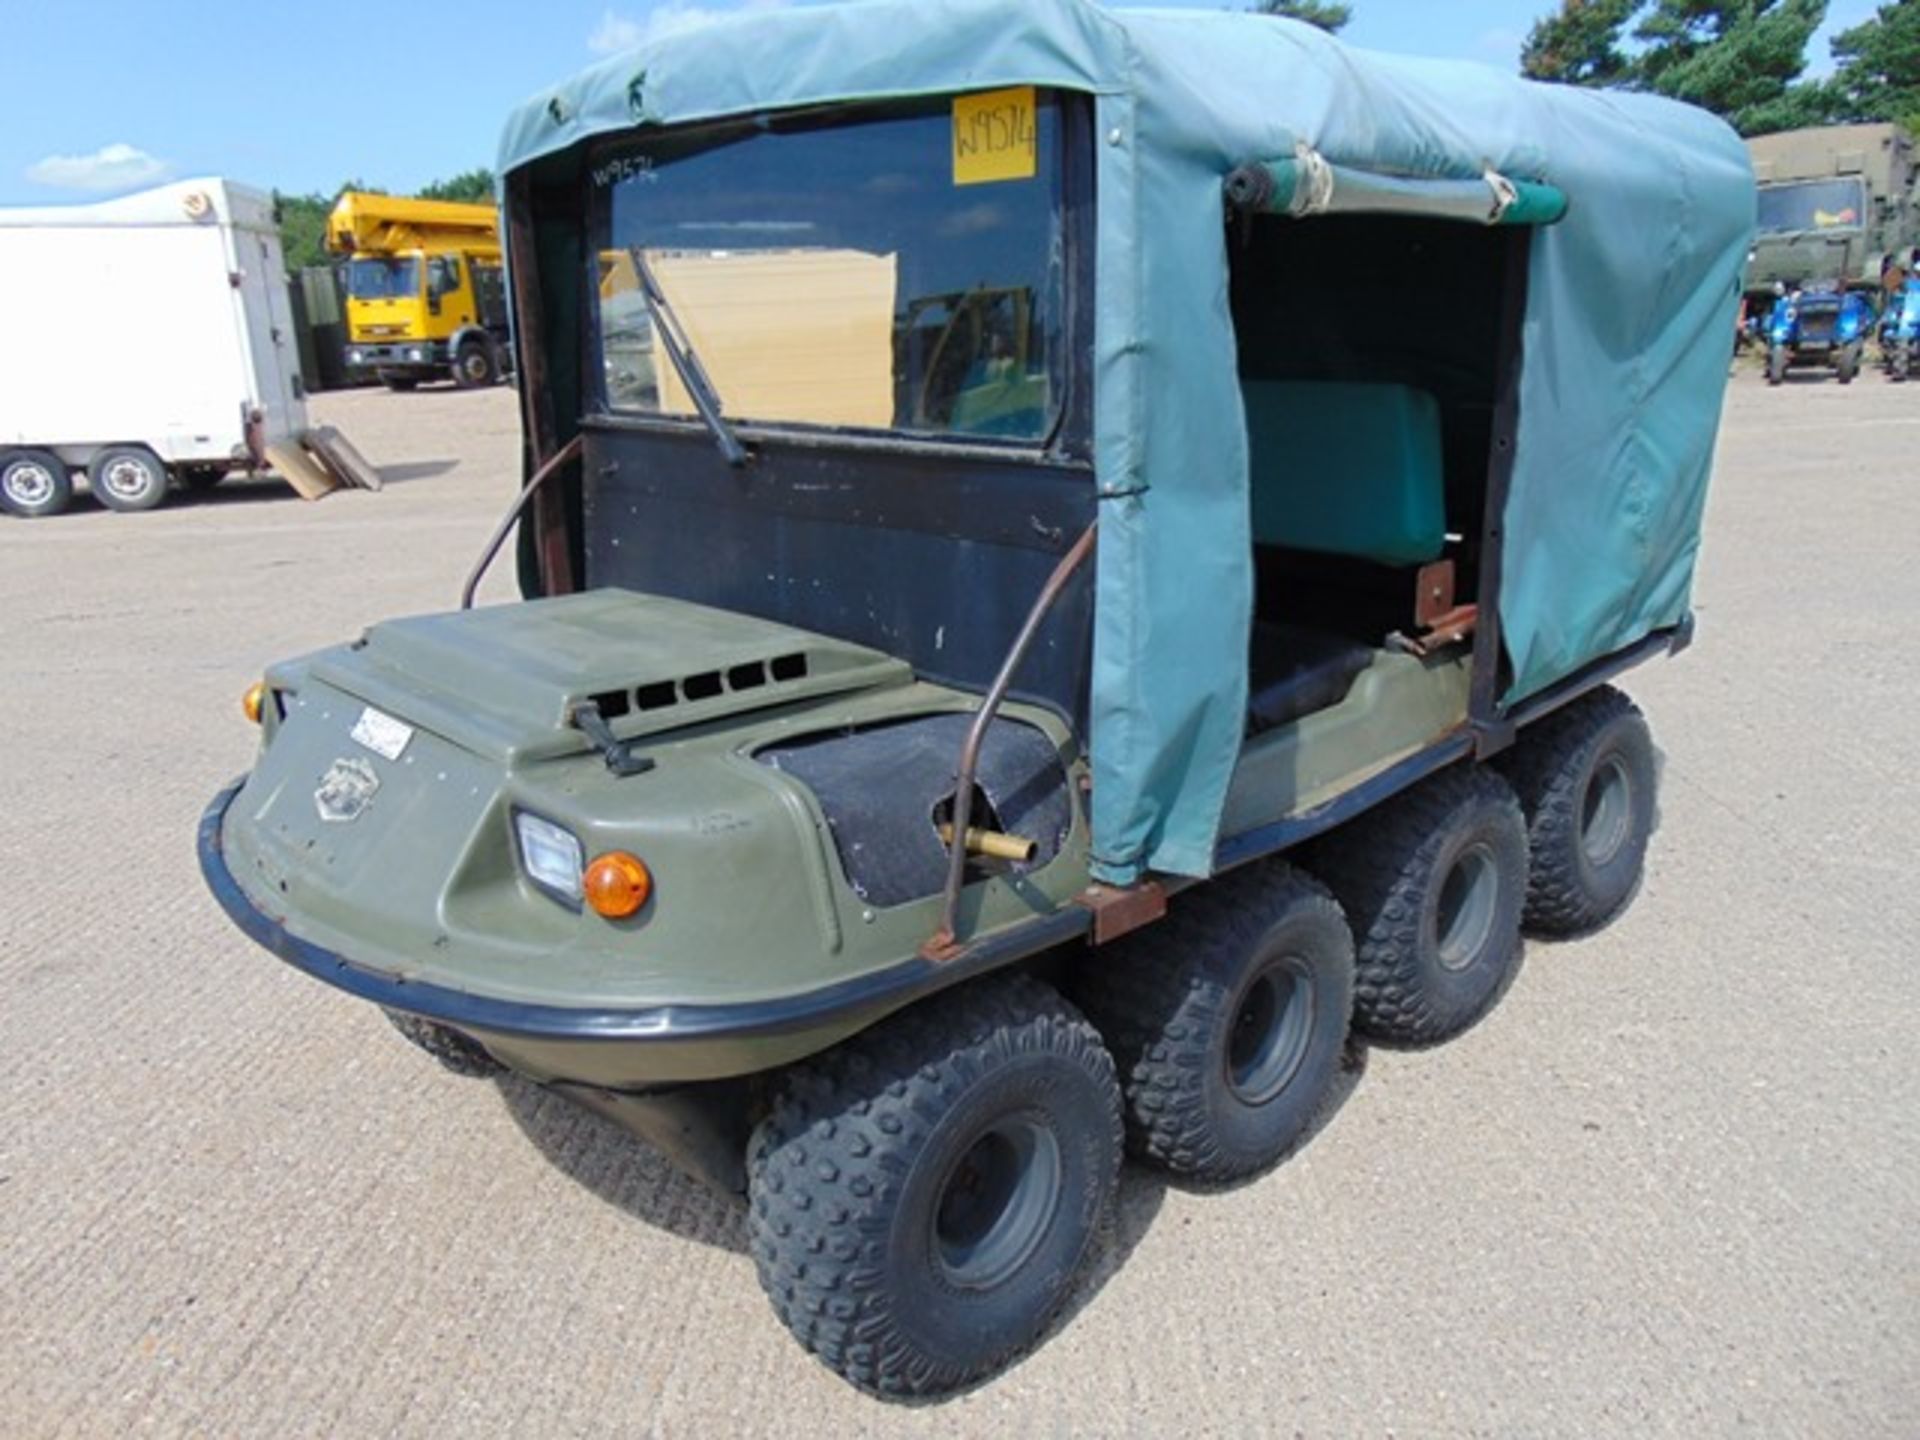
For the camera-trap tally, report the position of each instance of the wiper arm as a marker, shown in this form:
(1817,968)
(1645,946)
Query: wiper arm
(686,364)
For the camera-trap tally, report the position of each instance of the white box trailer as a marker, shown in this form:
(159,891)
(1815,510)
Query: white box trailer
(150,340)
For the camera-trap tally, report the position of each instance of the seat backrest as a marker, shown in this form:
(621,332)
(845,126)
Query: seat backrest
(1347,469)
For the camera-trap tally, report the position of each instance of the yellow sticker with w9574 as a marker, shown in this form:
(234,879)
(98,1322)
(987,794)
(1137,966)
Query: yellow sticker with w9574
(996,136)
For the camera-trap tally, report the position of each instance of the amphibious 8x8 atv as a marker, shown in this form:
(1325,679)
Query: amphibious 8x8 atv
(1008,676)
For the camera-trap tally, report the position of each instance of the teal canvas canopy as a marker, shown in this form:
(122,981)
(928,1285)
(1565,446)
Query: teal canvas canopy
(1627,327)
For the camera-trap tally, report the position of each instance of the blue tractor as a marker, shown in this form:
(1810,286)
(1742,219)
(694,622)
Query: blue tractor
(1820,325)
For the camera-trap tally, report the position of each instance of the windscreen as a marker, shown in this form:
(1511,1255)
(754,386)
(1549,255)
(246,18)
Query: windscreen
(898,269)
(1812,205)
(384,279)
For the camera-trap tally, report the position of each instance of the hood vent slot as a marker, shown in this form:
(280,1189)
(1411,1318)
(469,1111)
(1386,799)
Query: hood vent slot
(702,685)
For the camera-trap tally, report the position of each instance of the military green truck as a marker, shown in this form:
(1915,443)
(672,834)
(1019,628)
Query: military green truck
(1836,202)
(1130,676)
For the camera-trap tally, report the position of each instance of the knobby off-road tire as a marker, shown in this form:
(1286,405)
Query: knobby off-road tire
(1228,1021)
(923,1195)
(1433,883)
(1586,779)
(454,1051)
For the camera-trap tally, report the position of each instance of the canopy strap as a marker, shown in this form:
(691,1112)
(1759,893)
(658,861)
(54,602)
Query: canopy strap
(1307,184)
(1505,195)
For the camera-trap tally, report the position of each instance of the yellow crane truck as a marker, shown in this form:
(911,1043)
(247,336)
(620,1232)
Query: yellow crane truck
(426,299)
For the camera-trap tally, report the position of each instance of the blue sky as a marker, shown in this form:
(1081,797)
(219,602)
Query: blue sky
(107,96)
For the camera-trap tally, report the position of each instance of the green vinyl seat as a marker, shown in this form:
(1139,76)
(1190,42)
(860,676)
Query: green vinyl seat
(1344,468)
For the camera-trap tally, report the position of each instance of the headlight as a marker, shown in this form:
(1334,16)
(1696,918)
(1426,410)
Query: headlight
(1781,332)
(550,855)
(416,354)
(356,357)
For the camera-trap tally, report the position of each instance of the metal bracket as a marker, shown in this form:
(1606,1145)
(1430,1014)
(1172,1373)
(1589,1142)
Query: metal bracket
(617,753)
(1439,620)
(1119,911)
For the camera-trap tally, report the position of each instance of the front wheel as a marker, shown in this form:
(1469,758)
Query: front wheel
(1899,361)
(1776,364)
(127,478)
(474,367)
(1848,365)
(923,1195)
(34,483)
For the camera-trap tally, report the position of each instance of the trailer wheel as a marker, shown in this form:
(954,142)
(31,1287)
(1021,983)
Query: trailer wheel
(455,1052)
(923,1195)
(1228,1021)
(127,477)
(34,483)
(1586,780)
(474,366)
(1776,364)
(1433,882)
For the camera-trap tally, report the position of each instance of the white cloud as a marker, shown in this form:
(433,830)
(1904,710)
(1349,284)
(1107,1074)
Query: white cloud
(118,166)
(617,32)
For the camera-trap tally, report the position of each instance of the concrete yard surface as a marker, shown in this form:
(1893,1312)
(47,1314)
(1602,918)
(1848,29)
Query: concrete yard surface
(1671,1187)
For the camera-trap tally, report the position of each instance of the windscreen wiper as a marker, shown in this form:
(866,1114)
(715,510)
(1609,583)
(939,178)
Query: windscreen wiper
(686,364)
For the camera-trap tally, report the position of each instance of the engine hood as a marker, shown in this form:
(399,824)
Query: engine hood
(504,681)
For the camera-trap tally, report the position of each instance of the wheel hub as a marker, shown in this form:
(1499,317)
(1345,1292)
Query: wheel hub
(1469,900)
(127,478)
(29,484)
(1606,812)
(996,1203)
(1272,1027)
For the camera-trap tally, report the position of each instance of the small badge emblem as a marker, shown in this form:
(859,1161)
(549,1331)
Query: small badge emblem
(382,734)
(345,790)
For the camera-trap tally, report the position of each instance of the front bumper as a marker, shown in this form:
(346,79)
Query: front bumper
(404,355)
(627,1049)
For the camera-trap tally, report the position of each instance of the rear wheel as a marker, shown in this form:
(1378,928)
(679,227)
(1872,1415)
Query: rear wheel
(1228,1021)
(127,477)
(474,367)
(34,483)
(1433,882)
(923,1195)
(1585,777)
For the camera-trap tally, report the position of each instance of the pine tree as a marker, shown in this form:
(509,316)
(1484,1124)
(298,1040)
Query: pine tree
(1737,58)
(1879,67)
(1328,16)
(1580,44)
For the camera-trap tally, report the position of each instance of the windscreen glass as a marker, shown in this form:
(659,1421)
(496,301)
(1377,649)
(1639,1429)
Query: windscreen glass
(369,279)
(898,269)
(1812,205)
